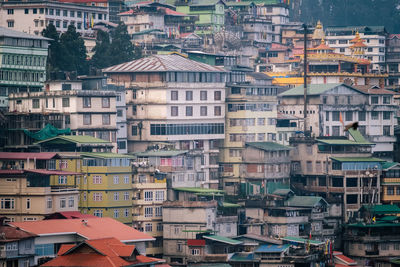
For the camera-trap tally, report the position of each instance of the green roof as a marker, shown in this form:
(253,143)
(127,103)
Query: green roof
(342,142)
(160,153)
(387,165)
(357,136)
(77,139)
(223,239)
(357,159)
(360,29)
(302,240)
(382,209)
(146,32)
(268,146)
(304,201)
(389,218)
(374,225)
(105,155)
(197,190)
(282,192)
(230,205)
(312,89)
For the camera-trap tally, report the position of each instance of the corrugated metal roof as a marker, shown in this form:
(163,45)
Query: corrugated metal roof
(268,248)
(163,63)
(268,146)
(16,34)
(27,155)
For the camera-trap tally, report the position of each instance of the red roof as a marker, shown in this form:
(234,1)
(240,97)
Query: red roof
(196,242)
(25,155)
(94,228)
(53,172)
(342,258)
(83,1)
(12,233)
(100,252)
(278,47)
(12,171)
(171,12)
(68,215)
(129,12)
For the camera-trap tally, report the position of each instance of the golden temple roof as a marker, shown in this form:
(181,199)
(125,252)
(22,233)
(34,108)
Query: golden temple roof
(319,33)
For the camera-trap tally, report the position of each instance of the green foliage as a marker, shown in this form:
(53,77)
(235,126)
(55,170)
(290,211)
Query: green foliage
(351,13)
(54,57)
(101,58)
(74,51)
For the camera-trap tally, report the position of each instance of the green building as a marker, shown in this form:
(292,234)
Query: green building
(22,63)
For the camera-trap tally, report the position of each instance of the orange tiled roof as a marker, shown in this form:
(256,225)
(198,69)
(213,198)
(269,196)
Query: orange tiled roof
(94,228)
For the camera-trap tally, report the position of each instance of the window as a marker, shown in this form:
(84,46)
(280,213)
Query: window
(158,211)
(63,203)
(65,13)
(65,102)
(35,103)
(327,116)
(126,179)
(217,95)
(342,50)
(159,227)
(126,195)
(386,100)
(116,213)
(28,203)
(148,227)
(362,129)
(49,203)
(361,115)
(174,111)
(217,111)
(195,251)
(342,41)
(71,202)
(148,212)
(148,196)
(374,99)
(134,130)
(174,95)
(116,179)
(51,11)
(134,109)
(98,213)
(105,102)
(10,11)
(386,115)
(203,95)
(10,24)
(349,115)
(120,112)
(179,247)
(97,196)
(261,121)
(159,195)
(335,130)
(87,102)
(79,14)
(57,23)
(189,111)
(203,111)
(65,24)
(26,10)
(72,13)
(116,196)
(7,203)
(62,179)
(97,179)
(390,190)
(261,137)
(106,119)
(87,119)
(126,212)
(335,115)
(386,130)
(374,115)
(189,95)
(336,100)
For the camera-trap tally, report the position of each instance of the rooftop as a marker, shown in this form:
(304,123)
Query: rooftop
(222,239)
(271,248)
(104,155)
(5,32)
(94,228)
(77,139)
(162,63)
(357,159)
(268,146)
(382,209)
(293,239)
(312,89)
(304,201)
(27,155)
(197,190)
(160,153)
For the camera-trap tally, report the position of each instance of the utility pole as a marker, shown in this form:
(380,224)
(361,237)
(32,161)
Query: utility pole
(305,78)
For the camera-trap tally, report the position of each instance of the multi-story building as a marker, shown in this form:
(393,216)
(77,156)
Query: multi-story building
(390,183)
(27,191)
(23,60)
(393,60)
(64,104)
(339,38)
(33,17)
(338,169)
(328,103)
(176,100)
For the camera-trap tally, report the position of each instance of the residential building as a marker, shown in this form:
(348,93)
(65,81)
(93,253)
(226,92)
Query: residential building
(23,60)
(28,193)
(64,104)
(390,187)
(33,17)
(109,250)
(339,169)
(17,246)
(339,38)
(176,100)
(328,103)
(393,60)
(74,144)
(52,234)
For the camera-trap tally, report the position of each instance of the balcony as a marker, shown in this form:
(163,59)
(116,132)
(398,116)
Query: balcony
(149,186)
(372,253)
(286,220)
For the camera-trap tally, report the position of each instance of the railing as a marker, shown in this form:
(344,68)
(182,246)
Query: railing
(371,252)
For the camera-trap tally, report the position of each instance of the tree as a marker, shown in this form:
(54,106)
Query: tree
(122,49)
(73,51)
(102,57)
(54,56)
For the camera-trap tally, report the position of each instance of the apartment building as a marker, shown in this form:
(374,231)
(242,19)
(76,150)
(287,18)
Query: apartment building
(393,60)
(64,104)
(23,60)
(175,100)
(374,109)
(33,17)
(278,13)
(339,38)
(390,189)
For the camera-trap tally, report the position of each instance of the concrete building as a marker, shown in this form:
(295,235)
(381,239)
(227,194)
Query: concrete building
(33,17)
(23,60)
(374,109)
(390,191)
(64,104)
(339,37)
(176,100)
(393,60)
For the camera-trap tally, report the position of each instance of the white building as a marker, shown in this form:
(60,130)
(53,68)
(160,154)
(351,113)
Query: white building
(33,17)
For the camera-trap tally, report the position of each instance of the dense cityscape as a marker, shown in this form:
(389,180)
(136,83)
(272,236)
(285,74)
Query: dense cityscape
(198,133)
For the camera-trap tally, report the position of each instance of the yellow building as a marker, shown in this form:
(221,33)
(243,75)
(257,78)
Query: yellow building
(251,114)
(390,183)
